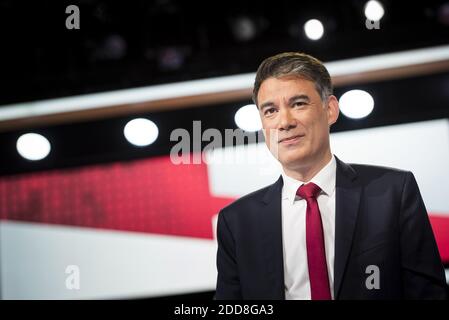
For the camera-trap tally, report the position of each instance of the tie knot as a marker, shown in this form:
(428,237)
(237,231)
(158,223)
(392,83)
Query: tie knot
(309,190)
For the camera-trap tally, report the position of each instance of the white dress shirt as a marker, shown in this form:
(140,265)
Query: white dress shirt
(296,273)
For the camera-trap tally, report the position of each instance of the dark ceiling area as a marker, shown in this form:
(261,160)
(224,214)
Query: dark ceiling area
(138,43)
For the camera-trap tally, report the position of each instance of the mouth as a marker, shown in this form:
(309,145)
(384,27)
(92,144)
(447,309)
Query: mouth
(292,139)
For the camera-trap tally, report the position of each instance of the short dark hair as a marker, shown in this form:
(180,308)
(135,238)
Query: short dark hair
(294,64)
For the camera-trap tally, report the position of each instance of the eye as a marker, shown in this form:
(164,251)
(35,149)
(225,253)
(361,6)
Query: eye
(269,111)
(299,103)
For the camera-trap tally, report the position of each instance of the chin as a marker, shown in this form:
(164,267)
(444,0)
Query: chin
(290,158)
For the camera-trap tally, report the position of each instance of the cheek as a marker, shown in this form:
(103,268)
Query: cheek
(271,136)
(318,133)
(314,131)
(266,137)
(267,122)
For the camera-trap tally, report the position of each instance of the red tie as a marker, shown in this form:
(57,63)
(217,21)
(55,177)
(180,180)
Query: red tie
(316,254)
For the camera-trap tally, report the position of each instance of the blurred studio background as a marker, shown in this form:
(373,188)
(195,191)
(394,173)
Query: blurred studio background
(95,95)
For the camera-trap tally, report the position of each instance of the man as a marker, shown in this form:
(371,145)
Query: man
(325,229)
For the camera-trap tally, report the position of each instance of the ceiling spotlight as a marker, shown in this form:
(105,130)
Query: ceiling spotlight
(314,29)
(243,28)
(171,58)
(443,14)
(247,118)
(141,132)
(33,146)
(356,104)
(113,47)
(374,10)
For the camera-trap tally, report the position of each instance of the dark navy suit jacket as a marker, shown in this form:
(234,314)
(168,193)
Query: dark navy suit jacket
(380,220)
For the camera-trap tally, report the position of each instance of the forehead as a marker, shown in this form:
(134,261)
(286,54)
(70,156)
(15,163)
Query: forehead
(272,88)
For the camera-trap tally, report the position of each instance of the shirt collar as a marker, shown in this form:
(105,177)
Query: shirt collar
(325,179)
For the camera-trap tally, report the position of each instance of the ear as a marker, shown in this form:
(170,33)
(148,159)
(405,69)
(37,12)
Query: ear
(333,110)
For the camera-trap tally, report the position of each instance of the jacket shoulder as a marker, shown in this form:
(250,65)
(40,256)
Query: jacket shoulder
(247,202)
(371,173)
(247,199)
(366,168)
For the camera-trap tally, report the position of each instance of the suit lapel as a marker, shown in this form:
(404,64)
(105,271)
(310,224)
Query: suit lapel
(347,200)
(271,228)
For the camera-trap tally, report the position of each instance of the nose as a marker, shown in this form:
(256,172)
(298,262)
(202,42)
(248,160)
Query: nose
(286,120)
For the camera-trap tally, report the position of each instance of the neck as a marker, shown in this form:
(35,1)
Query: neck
(306,173)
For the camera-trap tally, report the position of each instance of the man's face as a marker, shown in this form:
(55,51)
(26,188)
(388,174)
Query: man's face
(292,108)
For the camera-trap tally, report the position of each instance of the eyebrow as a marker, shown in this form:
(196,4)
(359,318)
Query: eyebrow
(290,101)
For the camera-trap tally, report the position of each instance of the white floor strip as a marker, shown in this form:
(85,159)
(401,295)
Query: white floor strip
(111,264)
